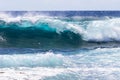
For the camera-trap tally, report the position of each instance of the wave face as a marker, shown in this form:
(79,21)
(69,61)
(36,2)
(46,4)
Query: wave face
(32,29)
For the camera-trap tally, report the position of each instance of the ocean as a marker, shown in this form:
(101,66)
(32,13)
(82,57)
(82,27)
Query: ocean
(60,45)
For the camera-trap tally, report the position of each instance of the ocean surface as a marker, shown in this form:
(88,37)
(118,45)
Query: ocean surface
(60,45)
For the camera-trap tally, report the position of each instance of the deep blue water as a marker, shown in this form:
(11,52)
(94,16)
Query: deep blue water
(70,13)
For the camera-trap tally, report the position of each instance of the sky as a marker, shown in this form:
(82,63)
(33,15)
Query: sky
(59,5)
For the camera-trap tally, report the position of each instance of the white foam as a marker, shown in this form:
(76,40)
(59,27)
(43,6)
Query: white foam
(28,73)
(2,39)
(97,63)
(32,60)
(103,30)
(41,73)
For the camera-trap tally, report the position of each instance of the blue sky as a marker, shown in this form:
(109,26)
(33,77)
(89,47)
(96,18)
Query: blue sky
(43,5)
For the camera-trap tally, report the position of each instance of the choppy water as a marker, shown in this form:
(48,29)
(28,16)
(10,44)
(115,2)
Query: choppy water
(60,45)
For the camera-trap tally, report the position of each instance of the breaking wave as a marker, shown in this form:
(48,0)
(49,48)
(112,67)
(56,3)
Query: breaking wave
(35,30)
(47,59)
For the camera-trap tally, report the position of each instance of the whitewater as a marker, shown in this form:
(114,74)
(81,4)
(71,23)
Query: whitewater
(59,45)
